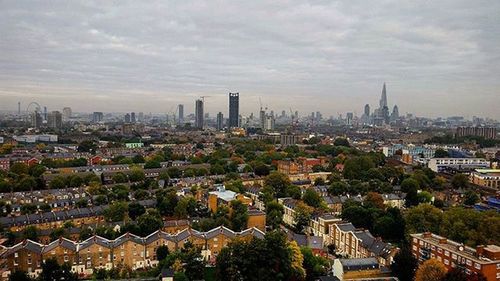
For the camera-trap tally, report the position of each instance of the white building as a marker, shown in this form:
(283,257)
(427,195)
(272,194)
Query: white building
(440,164)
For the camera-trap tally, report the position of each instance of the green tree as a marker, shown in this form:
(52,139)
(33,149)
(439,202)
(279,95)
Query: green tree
(315,266)
(31,232)
(135,210)
(471,198)
(312,198)
(278,183)
(460,181)
(19,168)
(239,216)
(423,218)
(301,217)
(338,188)
(405,264)
(149,223)
(455,274)
(52,271)
(162,252)
(441,153)
(120,177)
(341,142)
(116,212)
(19,275)
(137,174)
(274,214)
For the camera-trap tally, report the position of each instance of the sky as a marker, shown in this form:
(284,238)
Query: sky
(438,58)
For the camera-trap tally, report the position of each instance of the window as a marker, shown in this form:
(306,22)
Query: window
(478,266)
(447,262)
(66,258)
(446,253)
(440,251)
(468,262)
(414,247)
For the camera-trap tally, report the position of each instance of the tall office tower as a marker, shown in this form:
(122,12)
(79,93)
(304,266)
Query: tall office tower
(19,108)
(198,115)
(350,117)
(36,119)
(180,108)
(395,113)
(54,120)
(220,121)
(127,118)
(283,114)
(272,113)
(312,115)
(67,113)
(140,117)
(262,119)
(318,116)
(296,115)
(234,110)
(45,113)
(383,98)
(367,110)
(97,117)
(132,117)
(269,123)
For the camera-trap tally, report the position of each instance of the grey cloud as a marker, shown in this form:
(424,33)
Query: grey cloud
(331,56)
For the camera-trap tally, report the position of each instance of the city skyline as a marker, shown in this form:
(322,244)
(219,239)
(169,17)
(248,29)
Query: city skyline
(150,57)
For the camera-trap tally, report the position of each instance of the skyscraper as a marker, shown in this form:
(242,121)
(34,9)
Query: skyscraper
(367,110)
(97,117)
(36,119)
(350,117)
(132,117)
(127,118)
(383,98)
(234,110)
(181,113)
(198,113)
(220,121)
(395,113)
(67,112)
(54,120)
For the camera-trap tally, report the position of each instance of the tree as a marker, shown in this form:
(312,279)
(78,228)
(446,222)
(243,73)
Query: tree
(357,167)
(315,266)
(338,188)
(460,181)
(441,153)
(19,168)
(302,216)
(239,216)
(137,174)
(19,275)
(52,271)
(430,270)
(409,184)
(149,223)
(278,183)
(423,218)
(274,214)
(312,198)
(471,198)
(298,271)
(87,146)
(261,169)
(341,142)
(120,178)
(374,200)
(31,232)
(455,274)
(162,252)
(174,172)
(405,264)
(135,210)
(27,183)
(116,212)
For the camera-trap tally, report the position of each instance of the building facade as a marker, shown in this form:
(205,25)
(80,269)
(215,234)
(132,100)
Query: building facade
(234,110)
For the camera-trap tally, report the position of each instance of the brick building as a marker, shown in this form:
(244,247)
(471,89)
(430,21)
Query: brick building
(483,259)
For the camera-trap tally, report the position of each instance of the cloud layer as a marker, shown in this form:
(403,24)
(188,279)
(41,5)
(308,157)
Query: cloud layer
(438,57)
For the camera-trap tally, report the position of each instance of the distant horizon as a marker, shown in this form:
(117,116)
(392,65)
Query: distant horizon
(438,58)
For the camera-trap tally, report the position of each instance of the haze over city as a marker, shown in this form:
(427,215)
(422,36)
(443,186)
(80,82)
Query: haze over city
(438,58)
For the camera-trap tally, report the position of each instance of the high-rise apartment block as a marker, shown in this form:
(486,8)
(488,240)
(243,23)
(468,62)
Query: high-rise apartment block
(220,121)
(234,110)
(180,109)
(485,132)
(199,115)
(97,117)
(54,120)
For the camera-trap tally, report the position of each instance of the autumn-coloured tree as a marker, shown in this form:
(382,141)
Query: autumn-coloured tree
(430,270)
(375,200)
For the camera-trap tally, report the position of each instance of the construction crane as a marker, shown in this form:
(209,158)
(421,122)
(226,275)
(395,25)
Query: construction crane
(203,98)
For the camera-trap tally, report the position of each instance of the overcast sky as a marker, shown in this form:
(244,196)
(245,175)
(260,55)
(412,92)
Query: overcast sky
(438,58)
